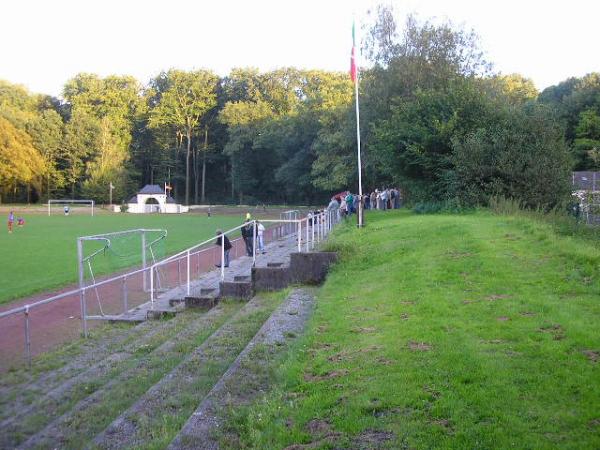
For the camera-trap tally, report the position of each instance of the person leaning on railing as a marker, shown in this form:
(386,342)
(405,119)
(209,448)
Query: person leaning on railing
(225,249)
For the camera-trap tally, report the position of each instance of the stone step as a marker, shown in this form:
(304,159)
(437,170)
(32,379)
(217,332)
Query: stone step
(191,379)
(241,288)
(203,298)
(249,375)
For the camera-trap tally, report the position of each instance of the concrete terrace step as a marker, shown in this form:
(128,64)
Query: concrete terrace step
(248,375)
(187,383)
(74,426)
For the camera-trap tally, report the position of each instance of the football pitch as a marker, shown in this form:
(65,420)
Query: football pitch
(42,255)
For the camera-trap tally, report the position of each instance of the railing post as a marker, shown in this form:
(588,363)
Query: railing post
(144,282)
(125,306)
(178,272)
(188,272)
(312,233)
(307,249)
(223,257)
(299,227)
(27,336)
(151,286)
(254,243)
(81,288)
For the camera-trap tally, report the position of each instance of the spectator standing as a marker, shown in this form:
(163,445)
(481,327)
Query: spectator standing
(349,203)
(11,221)
(373,200)
(248,236)
(226,248)
(260,232)
(384,199)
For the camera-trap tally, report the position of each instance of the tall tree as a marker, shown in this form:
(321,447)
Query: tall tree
(20,162)
(187,97)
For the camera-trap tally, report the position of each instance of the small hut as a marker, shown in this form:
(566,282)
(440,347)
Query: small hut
(154,199)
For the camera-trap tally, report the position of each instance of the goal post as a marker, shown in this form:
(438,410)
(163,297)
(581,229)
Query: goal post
(124,258)
(65,202)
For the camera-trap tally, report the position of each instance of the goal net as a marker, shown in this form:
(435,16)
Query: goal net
(103,256)
(68,207)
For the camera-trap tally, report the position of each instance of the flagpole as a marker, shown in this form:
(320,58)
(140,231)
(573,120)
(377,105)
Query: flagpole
(360,191)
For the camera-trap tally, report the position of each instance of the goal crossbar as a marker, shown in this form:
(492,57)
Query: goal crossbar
(69,202)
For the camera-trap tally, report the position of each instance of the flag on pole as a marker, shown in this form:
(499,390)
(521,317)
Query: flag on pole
(353,70)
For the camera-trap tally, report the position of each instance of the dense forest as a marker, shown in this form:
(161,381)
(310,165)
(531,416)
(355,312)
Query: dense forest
(436,120)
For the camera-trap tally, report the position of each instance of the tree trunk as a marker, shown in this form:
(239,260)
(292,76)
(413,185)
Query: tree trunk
(204,164)
(187,166)
(232,179)
(196,174)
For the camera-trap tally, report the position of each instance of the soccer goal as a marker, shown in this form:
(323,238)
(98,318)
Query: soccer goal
(111,253)
(67,207)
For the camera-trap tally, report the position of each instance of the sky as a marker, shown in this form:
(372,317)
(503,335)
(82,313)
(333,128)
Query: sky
(43,43)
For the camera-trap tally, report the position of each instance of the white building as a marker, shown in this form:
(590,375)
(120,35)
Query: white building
(153,199)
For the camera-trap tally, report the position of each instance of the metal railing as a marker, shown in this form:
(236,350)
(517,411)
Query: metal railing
(309,231)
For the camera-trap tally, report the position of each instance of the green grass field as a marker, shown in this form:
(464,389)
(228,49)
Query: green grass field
(472,331)
(43,254)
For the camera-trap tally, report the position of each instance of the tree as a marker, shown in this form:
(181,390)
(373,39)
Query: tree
(187,98)
(522,154)
(20,162)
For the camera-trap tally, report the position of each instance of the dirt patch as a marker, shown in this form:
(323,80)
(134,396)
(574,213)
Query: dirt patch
(592,355)
(318,428)
(339,357)
(371,439)
(455,254)
(494,297)
(370,348)
(404,316)
(555,330)
(594,423)
(324,345)
(364,330)
(328,376)
(493,341)
(406,302)
(502,318)
(468,302)
(435,394)
(321,329)
(527,313)
(384,361)
(321,433)
(444,423)
(419,346)
(511,237)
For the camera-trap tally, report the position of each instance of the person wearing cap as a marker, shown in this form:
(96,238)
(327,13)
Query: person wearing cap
(248,235)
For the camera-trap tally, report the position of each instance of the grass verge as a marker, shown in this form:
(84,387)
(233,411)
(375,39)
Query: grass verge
(471,331)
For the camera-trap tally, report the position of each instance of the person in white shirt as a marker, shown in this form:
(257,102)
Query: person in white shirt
(260,231)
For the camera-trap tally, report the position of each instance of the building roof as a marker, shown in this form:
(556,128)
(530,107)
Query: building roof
(152,189)
(586,181)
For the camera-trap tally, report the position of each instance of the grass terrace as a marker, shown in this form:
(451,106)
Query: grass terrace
(443,331)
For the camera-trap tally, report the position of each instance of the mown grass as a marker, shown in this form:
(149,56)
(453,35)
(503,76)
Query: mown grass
(471,331)
(43,254)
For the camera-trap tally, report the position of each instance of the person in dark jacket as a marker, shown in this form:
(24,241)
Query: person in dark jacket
(226,249)
(248,235)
